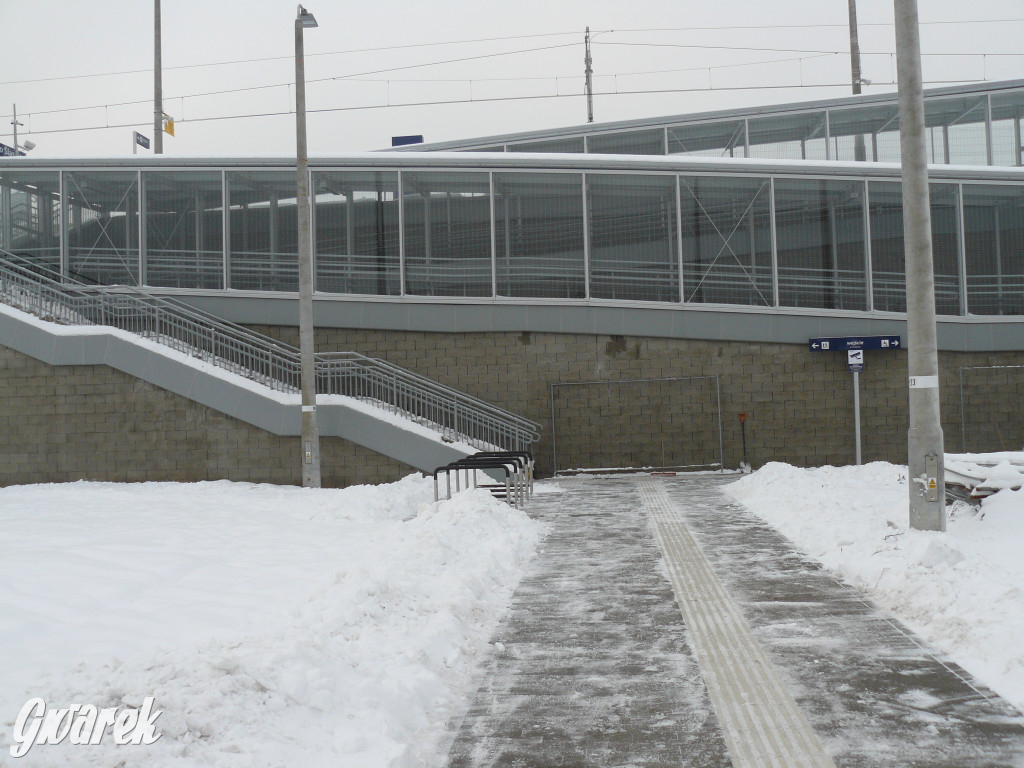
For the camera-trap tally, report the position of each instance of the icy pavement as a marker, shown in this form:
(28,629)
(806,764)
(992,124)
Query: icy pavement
(592,666)
(595,667)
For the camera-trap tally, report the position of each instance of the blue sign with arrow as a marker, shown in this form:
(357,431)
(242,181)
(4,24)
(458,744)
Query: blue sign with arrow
(846,343)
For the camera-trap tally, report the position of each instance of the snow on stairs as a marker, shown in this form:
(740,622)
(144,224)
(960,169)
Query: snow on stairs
(243,374)
(277,412)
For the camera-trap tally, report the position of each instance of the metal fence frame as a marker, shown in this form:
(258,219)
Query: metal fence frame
(963,412)
(718,407)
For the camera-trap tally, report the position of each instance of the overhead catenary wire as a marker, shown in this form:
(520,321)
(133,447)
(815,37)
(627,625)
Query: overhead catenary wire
(288,57)
(366,76)
(448,102)
(361,76)
(407,46)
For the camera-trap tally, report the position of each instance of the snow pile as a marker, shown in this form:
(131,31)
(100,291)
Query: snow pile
(273,625)
(986,473)
(962,590)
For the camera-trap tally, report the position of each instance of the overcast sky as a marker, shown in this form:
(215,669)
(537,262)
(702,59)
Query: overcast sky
(73,68)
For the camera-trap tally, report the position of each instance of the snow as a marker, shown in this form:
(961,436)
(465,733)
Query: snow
(273,625)
(962,590)
(283,626)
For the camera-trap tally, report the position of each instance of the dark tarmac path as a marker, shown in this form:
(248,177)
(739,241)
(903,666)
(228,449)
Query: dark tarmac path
(663,624)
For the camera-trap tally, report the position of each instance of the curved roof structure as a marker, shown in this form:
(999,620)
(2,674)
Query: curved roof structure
(756,225)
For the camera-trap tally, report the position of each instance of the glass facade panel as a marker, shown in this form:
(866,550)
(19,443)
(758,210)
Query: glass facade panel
(263,231)
(956,130)
(538,219)
(102,224)
(819,237)
(727,240)
(571,145)
(789,137)
(994,244)
(865,133)
(651,142)
(1007,113)
(633,245)
(30,216)
(888,264)
(357,242)
(726,138)
(447,233)
(184,229)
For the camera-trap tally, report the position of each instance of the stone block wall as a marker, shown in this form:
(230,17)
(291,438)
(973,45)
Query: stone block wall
(92,422)
(798,403)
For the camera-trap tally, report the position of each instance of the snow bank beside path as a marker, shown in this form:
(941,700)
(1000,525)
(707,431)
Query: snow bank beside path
(962,590)
(273,625)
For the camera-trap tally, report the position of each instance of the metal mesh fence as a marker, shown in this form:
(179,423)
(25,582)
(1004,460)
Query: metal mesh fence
(639,423)
(990,408)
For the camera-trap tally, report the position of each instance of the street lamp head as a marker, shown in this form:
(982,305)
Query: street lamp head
(29,145)
(305,18)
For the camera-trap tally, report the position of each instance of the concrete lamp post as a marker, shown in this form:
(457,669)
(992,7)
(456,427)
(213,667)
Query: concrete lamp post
(310,431)
(924,439)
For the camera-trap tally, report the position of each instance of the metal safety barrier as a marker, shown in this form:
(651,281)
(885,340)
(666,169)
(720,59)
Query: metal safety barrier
(458,417)
(517,467)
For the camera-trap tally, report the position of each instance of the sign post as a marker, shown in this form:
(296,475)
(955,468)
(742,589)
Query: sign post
(854,347)
(855,362)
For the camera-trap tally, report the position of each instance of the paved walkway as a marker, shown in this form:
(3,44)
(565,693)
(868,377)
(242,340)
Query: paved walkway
(664,625)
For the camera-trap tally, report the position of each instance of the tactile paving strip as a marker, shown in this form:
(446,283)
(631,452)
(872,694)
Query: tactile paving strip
(761,722)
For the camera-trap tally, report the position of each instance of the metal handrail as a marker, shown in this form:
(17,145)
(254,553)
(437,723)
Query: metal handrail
(456,415)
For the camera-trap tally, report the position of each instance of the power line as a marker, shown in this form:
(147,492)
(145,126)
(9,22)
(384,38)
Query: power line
(358,75)
(716,47)
(487,40)
(811,26)
(448,102)
(315,80)
(289,57)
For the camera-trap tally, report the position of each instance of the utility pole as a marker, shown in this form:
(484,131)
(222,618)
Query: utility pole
(307,361)
(588,71)
(926,479)
(158,87)
(859,150)
(15,123)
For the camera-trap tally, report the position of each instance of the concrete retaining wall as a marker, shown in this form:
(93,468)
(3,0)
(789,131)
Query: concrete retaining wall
(71,422)
(92,422)
(799,404)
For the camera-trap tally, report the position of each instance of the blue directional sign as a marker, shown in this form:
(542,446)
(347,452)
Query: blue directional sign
(6,151)
(402,141)
(846,343)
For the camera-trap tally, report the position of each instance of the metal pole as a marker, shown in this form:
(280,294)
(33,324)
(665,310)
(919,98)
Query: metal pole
(859,150)
(15,123)
(924,440)
(158,87)
(310,432)
(588,71)
(856,411)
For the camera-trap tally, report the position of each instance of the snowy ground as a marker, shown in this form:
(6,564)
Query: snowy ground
(281,626)
(962,590)
(273,625)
